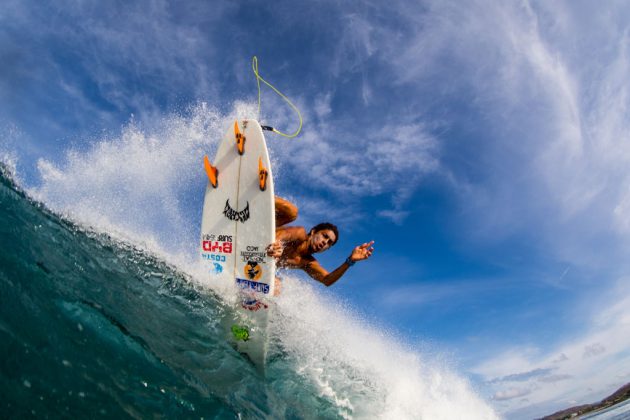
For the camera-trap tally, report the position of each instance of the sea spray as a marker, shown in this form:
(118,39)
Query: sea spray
(145,185)
(363,371)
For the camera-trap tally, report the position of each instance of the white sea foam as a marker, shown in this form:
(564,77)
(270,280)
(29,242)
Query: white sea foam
(364,370)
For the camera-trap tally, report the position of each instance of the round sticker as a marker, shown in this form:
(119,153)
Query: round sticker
(253,270)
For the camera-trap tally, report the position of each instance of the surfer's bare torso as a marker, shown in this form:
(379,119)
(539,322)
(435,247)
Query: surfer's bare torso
(294,246)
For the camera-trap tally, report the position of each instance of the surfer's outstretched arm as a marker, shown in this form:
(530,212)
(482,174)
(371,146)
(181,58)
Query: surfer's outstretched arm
(316,271)
(319,273)
(286,212)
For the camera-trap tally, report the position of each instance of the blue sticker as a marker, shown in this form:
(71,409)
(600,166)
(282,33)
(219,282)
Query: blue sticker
(218,268)
(253,285)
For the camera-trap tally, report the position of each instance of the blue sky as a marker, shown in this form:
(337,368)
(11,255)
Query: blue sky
(484,146)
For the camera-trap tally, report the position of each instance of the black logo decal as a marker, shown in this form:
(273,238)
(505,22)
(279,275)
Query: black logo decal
(237,216)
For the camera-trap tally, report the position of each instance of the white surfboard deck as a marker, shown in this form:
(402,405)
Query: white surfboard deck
(238,223)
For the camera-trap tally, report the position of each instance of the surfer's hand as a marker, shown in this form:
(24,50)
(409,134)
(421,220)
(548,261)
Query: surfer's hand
(362,252)
(275,250)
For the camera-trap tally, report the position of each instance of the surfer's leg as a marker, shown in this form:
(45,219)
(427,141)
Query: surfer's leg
(286,212)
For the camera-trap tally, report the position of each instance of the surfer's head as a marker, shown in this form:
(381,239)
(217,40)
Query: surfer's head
(322,237)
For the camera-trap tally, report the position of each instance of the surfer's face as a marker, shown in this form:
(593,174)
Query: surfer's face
(322,240)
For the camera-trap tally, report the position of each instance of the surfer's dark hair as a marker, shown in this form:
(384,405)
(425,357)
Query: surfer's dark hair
(324,226)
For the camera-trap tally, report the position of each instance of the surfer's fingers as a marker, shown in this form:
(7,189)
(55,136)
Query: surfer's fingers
(367,244)
(274,249)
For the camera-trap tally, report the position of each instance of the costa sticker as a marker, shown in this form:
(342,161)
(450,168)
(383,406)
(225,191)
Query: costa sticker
(213,257)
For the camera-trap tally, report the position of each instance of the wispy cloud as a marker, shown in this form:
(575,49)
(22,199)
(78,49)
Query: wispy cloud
(100,62)
(444,293)
(524,376)
(550,124)
(511,393)
(353,162)
(593,350)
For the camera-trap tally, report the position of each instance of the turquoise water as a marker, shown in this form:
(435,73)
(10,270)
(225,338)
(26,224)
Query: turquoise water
(91,326)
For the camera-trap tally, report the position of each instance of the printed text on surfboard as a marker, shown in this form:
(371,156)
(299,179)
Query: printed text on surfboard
(237,216)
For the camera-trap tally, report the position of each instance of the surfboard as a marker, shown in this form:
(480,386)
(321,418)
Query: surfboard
(238,223)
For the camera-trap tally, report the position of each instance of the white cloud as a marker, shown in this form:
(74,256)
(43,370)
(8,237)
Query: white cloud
(593,350)
(555,378)
(354,45)
(322,105)
(511,393)
(561,358)
(353,162)
(396,216)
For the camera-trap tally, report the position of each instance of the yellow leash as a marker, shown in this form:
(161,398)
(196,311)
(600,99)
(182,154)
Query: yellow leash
(258,79)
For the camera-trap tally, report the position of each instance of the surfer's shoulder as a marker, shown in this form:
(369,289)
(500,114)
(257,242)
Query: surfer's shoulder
(291,233)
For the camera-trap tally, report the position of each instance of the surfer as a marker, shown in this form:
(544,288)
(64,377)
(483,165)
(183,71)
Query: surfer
(294,246)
